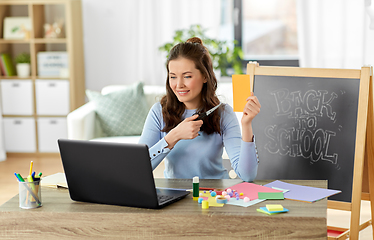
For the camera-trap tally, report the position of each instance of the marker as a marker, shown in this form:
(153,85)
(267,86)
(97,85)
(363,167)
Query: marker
(33,175)
(31,179)
(15,174)
(40,174)
(20,177)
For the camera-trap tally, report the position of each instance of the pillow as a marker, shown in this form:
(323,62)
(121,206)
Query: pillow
(121,113)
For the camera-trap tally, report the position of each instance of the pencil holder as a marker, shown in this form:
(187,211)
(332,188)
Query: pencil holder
(30,195)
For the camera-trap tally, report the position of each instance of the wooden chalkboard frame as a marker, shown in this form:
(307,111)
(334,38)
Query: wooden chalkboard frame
(363,175)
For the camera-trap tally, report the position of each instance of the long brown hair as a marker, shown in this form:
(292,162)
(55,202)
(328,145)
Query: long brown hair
(172,109)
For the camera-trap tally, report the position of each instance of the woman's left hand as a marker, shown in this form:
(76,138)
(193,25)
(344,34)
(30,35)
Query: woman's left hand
(251,109)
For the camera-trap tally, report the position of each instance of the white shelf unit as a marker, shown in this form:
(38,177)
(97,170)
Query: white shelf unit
(34,108)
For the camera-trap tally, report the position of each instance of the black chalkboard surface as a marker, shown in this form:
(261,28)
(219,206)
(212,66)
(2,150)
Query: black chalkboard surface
(307,129)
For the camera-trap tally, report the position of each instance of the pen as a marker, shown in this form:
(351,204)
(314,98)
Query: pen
(179,189)
(31,163)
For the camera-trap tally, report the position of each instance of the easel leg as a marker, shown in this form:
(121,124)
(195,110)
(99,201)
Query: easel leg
(366,146)
(370,149)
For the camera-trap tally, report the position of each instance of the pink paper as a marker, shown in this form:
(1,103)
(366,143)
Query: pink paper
(251,190)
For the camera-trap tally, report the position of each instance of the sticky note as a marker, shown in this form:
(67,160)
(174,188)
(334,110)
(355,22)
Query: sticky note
(270,195)
(274,207)
(241,86)
(264,210)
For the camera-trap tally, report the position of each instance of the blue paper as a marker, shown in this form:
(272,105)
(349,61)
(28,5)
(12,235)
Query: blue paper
(302,193)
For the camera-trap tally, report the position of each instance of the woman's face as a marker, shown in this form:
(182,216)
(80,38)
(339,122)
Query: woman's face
(186,82)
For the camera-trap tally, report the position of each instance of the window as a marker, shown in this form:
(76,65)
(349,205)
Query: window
(265,29)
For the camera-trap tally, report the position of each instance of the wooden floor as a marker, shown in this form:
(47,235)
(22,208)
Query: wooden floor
(51,165)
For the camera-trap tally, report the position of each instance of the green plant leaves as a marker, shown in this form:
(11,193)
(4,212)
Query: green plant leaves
(223,53)
(23,58)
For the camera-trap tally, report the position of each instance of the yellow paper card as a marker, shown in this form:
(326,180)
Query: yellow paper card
(241,86)
(212,200)
(213,203)
(274,207)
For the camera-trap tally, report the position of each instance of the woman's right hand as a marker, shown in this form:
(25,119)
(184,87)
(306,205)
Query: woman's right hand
(187,129)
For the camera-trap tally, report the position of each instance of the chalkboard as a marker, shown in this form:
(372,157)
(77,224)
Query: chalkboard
(307,129)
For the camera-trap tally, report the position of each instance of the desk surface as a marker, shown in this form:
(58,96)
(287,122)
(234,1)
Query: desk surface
(60,217)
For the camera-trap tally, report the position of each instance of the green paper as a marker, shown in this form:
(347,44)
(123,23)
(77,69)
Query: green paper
(270,195)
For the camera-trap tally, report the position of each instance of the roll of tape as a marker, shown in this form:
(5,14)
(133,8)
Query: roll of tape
(221,200)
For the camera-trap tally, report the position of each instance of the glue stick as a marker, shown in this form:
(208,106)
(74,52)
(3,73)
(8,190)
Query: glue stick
(195,188)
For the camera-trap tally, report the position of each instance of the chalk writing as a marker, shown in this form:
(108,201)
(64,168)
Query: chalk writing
(302,137)
(295,105)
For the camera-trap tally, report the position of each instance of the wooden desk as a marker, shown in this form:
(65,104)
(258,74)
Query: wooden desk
(60,217)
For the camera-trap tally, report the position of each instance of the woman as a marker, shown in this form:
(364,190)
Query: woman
(194,147)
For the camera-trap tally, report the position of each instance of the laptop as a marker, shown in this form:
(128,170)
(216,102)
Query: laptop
(113,173)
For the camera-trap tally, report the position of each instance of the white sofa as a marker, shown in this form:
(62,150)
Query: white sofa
(82,123)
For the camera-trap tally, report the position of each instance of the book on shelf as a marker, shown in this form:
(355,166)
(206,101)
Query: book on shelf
(6,65)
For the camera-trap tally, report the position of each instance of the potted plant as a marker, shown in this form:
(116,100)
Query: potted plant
(224,54)
(23,64)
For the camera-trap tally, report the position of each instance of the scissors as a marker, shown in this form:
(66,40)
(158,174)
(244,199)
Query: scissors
(205,114)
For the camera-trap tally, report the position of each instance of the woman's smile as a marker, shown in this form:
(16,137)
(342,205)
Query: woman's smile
(183,93)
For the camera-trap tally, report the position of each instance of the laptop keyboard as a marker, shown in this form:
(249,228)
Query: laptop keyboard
(163,198)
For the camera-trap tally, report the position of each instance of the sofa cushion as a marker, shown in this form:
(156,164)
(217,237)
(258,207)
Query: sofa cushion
(123,112)
(153,93)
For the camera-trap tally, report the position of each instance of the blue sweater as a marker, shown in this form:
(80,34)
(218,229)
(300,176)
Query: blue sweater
(201,156)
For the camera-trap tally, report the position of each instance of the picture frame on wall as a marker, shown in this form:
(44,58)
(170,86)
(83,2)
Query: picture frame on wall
(17,28)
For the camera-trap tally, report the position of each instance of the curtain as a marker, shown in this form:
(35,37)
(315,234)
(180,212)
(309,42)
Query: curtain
(2,142)
(334,34)
(121,37)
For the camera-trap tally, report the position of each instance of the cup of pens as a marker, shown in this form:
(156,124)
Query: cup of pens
(29,190)
(30,194)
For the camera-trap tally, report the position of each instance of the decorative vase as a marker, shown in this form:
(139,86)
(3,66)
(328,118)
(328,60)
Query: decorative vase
(23,69)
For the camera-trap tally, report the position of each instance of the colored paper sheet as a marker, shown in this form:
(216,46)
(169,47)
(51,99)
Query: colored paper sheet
(251,190)
(274,207)
(264,210)
(55,180)
(213,203)
(303,193)
(241,87)
(270,195)
(241,202)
